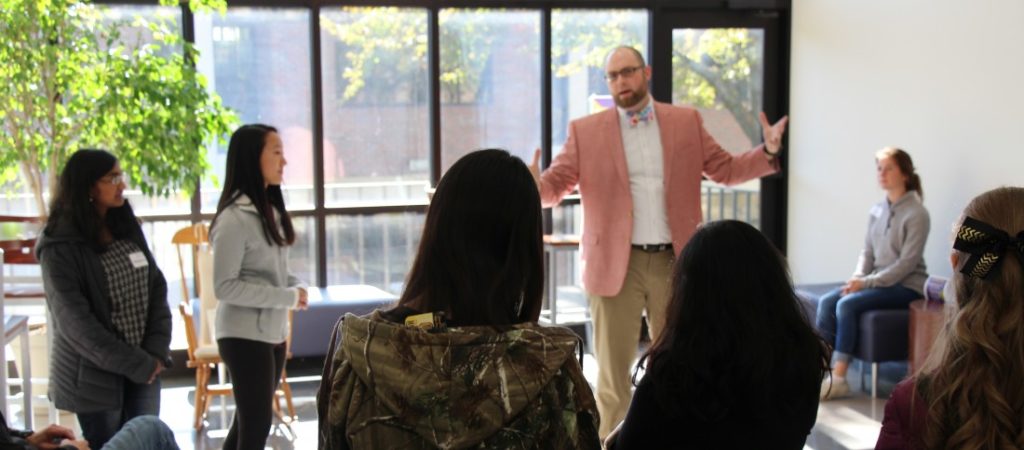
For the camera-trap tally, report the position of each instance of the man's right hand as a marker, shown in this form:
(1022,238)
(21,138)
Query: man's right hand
(535,167)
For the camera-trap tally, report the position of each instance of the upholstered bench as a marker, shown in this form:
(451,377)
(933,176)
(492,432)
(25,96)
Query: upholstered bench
(311,329)
(881,334)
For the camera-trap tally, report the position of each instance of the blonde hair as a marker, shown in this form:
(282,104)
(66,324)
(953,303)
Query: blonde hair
(974,384)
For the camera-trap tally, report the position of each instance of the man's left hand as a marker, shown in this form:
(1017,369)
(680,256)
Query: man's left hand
(773,133)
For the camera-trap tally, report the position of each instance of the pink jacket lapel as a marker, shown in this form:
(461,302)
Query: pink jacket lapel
(613,135)
(663,117)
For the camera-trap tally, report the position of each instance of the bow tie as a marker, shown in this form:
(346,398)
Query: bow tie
(644,115)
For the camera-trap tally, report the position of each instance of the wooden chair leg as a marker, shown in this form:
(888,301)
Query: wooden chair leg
(200,399)
(288,395)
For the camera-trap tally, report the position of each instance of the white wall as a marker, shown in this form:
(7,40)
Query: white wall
(942,79)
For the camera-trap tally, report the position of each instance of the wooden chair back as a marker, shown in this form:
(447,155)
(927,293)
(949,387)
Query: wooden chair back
(191,236)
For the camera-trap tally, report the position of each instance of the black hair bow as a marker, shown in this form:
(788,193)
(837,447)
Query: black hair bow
(986,245)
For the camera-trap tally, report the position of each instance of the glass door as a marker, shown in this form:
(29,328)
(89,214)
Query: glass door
(725,67)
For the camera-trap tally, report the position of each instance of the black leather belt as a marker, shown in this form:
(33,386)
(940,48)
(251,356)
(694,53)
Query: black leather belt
(652,248)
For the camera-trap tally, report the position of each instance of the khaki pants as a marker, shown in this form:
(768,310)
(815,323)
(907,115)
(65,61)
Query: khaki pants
(617,329)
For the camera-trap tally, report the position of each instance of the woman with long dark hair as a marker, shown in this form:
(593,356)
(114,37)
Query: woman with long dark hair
(107,297)
(890,272)
(970,392)
(737,365)
(251,234)
(460,362)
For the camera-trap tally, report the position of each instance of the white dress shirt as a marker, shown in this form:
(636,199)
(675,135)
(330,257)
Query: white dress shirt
(645,162)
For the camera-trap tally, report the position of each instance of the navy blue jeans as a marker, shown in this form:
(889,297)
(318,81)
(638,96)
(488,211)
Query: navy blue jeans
(139,400)
(838,314)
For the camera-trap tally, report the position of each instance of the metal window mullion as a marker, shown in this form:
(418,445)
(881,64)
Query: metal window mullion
(320,218)
(434,91)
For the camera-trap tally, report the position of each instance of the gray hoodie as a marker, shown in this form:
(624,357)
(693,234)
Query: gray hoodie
(251,280)
(893,251)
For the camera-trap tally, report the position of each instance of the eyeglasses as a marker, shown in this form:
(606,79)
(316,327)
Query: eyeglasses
(114,179)
(624,72)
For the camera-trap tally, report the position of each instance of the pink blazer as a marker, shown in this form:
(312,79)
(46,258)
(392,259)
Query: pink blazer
(593,159)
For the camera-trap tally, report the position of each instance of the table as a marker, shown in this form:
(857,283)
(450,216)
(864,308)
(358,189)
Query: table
(926,320)
(15,327)
(553,244)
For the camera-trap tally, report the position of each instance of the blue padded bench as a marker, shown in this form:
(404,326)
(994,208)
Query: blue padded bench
(311,329)
(882,335)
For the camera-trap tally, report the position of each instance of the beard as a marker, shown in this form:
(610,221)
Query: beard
(632,99)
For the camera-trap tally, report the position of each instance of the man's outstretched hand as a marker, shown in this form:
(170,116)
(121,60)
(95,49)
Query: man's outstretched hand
(535,167)
(773,133)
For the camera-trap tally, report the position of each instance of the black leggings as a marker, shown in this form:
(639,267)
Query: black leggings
(255,369)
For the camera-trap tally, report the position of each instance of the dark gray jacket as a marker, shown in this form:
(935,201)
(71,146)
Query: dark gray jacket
(89,362)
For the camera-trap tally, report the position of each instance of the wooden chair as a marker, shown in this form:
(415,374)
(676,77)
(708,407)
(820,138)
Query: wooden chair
(192,236)
(203,358)
(283,389)
(195,236)
(21,251)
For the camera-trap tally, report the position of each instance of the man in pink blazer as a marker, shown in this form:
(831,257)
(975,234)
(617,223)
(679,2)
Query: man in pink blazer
(638,168)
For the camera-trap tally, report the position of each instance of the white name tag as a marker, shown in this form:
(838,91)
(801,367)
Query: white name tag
(138,260)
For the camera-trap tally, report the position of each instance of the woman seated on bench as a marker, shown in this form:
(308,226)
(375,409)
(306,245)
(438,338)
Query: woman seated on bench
(460,362)
(890,273)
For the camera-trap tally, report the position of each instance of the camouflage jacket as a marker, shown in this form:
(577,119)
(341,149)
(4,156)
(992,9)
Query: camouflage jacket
(389,386)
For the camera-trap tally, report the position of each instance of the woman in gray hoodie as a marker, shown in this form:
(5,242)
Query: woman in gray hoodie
(890,272)
(251,234)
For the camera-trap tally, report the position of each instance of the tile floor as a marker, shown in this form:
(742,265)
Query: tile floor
(847,424)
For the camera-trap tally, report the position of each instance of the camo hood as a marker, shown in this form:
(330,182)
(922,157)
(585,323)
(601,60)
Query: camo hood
(516,386)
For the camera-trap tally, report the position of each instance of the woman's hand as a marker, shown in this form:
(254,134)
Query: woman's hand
(303,299)
(156,372)
(853,285)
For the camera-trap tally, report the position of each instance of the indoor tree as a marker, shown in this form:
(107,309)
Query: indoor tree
(71,81)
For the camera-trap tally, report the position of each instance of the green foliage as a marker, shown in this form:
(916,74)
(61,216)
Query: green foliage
(384,52)
(386,47)
(72,82)
(720,68)
(384,57)
(587,39)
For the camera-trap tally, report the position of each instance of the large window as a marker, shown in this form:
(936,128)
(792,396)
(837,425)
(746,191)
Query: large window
(375,93)
(720,71)
(357,84)
(372,249)
(258,61)
(490,79)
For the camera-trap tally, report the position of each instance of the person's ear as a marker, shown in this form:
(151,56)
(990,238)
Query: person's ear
(954,259)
